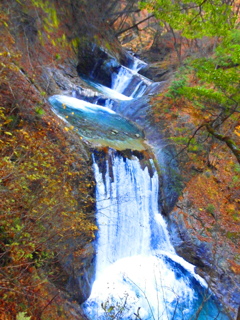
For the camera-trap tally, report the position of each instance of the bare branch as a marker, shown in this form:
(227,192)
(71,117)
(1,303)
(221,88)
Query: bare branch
(229,142)
(135,25)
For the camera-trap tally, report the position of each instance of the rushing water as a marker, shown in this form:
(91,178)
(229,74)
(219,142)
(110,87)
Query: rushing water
(138,273)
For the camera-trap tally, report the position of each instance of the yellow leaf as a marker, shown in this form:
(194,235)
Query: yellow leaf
(8,121)
(237,131)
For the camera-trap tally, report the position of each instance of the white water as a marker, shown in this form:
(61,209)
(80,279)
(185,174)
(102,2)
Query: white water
(123,79)
(111,93)
(137,64)
(81,104)
(138,273)
(133,251)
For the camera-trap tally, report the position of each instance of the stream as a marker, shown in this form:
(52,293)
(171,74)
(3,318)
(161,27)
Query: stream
(138,273)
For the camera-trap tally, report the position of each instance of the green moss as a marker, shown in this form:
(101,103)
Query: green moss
(232,235)
(210,209)
(236,217)
(236,168)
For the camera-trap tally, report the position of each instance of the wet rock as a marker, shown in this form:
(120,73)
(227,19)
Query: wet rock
(97,64)
(79,270)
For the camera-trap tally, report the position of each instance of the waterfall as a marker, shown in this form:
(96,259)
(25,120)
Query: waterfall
(126,205)
(138,273)
(137,269)
(129,82)
(137,64)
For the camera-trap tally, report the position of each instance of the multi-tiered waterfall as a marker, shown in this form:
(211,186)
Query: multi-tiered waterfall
(138,273)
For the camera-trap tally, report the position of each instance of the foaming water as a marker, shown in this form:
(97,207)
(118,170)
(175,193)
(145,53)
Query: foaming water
(129,82)
(78,104)
(138,274)
(137,64)
(110,92)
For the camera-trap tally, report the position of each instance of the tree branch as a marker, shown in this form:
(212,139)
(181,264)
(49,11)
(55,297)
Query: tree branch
(134,26)
(229,142)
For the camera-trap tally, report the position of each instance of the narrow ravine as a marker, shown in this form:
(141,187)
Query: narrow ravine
(138,273)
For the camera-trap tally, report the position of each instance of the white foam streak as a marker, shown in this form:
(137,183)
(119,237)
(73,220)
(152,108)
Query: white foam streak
(186,265)
(80,104)
(111,93)
(139,90)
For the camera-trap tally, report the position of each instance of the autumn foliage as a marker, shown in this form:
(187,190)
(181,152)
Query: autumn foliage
(46,187)
(46,181)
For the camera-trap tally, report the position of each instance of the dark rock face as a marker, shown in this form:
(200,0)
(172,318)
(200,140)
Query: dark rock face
(205,256)
(81,271)
(156,73)
(96,64)
(197,253)
(74,269)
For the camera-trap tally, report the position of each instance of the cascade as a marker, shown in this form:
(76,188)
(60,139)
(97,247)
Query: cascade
(130,82)
(137,64)
(138,273)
